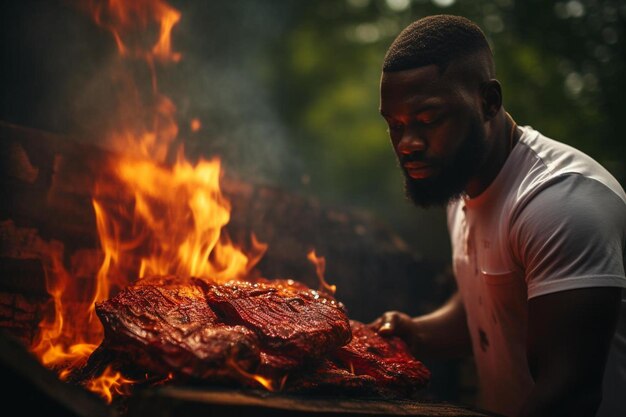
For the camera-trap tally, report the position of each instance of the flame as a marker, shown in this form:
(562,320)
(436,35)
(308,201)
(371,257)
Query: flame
(173,219)
(266,383)
(142,29)
(178,214)
(152,217)
(110,255)
(195,125)
(109,383)
(63,344)
(130,21)
(320,268)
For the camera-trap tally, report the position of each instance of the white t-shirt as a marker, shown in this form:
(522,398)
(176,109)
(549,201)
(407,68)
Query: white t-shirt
(552,220)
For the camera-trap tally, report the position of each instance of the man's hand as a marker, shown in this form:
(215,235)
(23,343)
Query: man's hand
(441,334)
(396,323)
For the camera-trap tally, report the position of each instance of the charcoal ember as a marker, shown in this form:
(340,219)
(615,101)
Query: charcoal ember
(289,320)
(170,328)
(386,359)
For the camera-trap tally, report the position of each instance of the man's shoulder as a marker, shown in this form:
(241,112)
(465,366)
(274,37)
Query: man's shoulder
(544,163)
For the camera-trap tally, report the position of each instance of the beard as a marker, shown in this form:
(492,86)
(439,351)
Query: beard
(454,174)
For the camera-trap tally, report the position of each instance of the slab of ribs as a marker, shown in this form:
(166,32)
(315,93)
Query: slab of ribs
(201,332)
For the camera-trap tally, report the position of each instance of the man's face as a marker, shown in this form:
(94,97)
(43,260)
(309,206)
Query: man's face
(436,131)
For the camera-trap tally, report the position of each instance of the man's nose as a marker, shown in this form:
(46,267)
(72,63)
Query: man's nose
(410,143)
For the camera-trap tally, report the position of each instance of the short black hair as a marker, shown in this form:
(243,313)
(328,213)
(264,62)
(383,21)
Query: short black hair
(437,40)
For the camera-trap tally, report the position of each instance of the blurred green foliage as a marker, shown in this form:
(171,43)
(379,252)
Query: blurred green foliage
(561,65)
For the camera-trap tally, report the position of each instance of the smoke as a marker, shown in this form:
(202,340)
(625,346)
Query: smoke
(62,74)
(226,50)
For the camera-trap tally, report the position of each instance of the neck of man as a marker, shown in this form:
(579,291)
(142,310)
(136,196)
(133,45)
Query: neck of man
(501,136)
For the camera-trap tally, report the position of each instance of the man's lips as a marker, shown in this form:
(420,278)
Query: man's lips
(418,170)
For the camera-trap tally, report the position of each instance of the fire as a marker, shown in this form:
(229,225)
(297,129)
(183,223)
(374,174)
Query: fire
(142,29)
(109,383)
(320,268)
(71,331)
(266,383)
(195,125)
(63,344)
(152,217)
(129,21)
(178,214)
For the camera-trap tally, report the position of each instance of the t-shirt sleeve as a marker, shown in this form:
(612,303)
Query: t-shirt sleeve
(570,234)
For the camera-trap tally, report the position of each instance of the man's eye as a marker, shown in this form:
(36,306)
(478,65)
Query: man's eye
(428,119)
(395,127)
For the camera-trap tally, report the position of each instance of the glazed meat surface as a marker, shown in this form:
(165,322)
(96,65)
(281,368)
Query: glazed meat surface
(171,328)
(280,330)
(289,320)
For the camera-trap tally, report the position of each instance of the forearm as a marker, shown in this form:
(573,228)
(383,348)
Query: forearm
(559,399)
(442,333)
(569,336)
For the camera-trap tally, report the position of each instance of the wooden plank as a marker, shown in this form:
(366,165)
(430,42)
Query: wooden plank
(46,182)
(190,402)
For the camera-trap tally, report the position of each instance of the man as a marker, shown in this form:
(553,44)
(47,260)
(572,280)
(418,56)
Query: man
(538,232)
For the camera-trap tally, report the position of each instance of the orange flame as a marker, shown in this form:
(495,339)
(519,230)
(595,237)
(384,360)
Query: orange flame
(179,213)
(266,383)
(152,218)
(320,268)
(146,129)
(63,344)
(195,124)
(109,383)
(129,21)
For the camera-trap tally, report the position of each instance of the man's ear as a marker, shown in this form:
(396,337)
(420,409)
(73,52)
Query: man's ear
(491,98)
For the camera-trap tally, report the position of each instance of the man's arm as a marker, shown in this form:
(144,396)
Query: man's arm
(569,334)
(440,334)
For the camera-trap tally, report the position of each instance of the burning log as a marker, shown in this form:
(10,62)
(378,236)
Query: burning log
(20,314)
